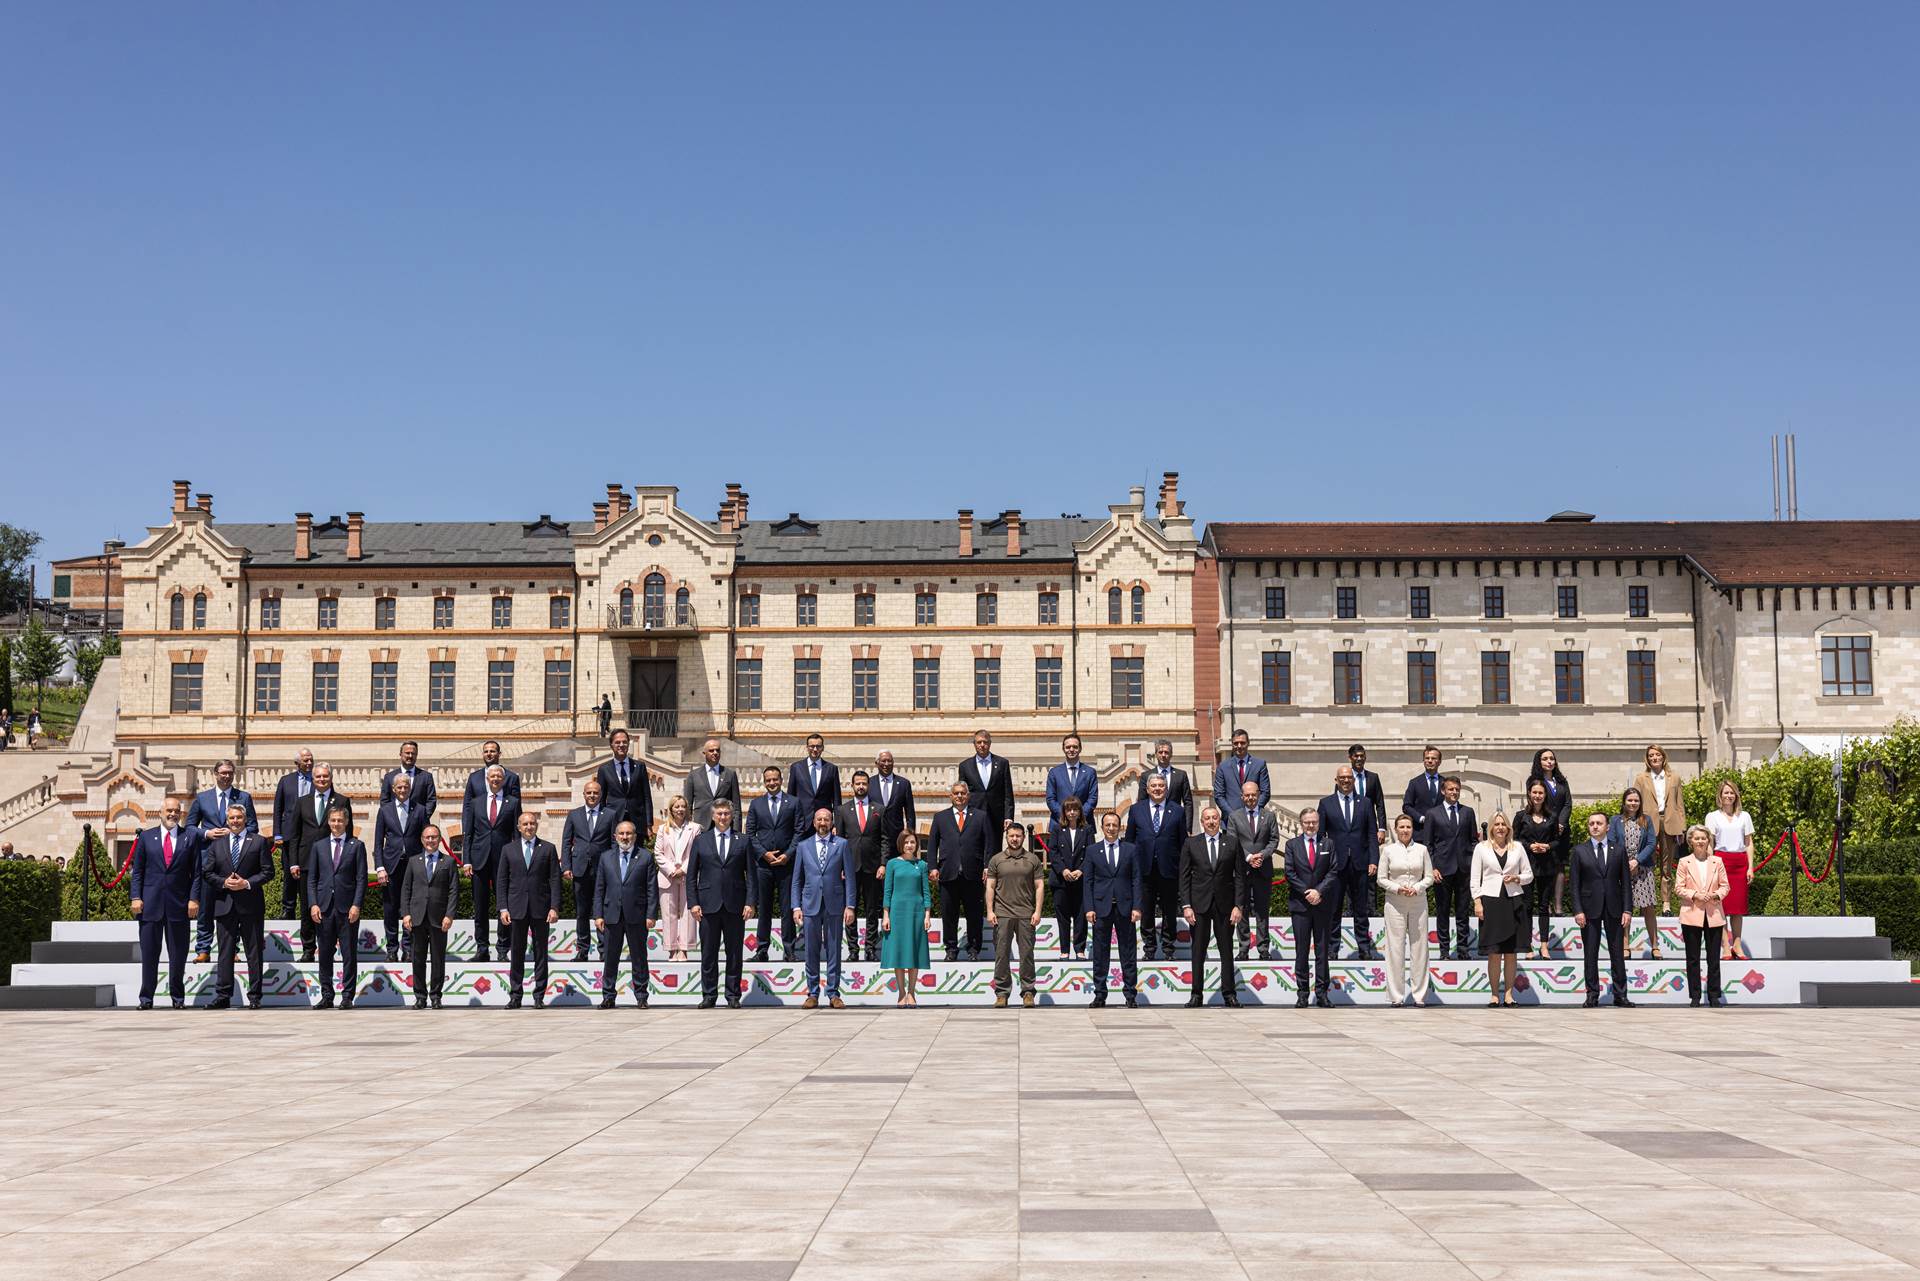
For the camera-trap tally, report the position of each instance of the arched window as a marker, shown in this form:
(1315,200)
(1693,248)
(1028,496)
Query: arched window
(1139,604)
(682,608)
(199,611)
(1113,604)
(653,601)
(177,612)
(626,607)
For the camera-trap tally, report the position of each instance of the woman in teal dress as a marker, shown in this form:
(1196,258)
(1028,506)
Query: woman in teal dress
(908,903)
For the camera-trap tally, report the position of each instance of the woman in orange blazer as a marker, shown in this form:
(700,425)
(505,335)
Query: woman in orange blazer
(1700,882)
(1661,793)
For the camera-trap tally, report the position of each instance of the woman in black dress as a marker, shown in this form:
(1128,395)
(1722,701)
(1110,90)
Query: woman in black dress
(1501,873)
(1546,768)
(1540,834)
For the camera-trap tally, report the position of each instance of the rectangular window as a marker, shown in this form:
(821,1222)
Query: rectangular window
(1139,606)
(806,684)
(329,611)
(200,611)
(1637,603)
(384,610)
(1496,677)
(1049,608)
(806,610)
(326,688)
(1276,602)
(1419,602)
(926,684)
(1047,683)
(1569,676)
(1846,666)
(62,586)
(986,683)
(750,610)
(866,684)
(1567,598)
(1423,678)
(442,612)
(1346,602)
(1276,678)
(559,693)
(746,683)
(1493,602)
(503,611)
(440,687)
(986,609)
(559,613)
(269,613)
(266,687)
(385,687)
(926,609)
(500,685)
(1129,680)
(187,678)
(1641,686)
(863,609)
(1348,690)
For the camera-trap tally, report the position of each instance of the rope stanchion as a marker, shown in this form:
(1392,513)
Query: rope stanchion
(94,871)
(1775,850)
(1833,853)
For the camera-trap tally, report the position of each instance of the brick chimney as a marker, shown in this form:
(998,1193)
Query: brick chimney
(1012,517)
(730,509)
(356,521)
(616,502)
(303,535)
(740,510)
(599,516)
(1170,495)
(180,488)
(966,531)
(205,503)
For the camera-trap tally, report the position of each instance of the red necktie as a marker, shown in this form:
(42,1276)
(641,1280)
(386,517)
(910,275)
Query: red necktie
(1243,769)
(863,816)
(166,847)
(1309,851)
(493,809)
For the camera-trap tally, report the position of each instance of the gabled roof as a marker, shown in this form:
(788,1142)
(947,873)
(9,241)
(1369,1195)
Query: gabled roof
(390,544)
(793,541)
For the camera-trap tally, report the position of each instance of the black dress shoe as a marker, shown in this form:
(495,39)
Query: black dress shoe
(306,957)
(733,1003)
(1195,1001)
(1591,1002)
(1716,1001)
(708,1002)
(760,956)
(346,1002)
(253,1003)
(581,955)
(419,1002)
(606,1002)
(1266,954)
(1623,1002)
(179,1005)
(639,1002)
(1323,1001)
(1133,1002)
(1098,1003)
(1693,1001)
(393,954)
(435,1002)
(219,1005)
(1243,954)
(514,1001)
(481,957)
(953,958)
(1300,1001)
(1231,1001)
(146,1005)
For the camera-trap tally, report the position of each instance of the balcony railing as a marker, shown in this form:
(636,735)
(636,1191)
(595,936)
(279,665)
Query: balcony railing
(651,619)
(655,722)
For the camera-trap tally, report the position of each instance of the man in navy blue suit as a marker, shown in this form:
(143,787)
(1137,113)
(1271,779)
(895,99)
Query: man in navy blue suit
(1451,831)
(420,785)
(957,851)
(337,885)
(627,786)
(1240,767)
(1313,902)
(1115,891)
(1369,788)
(1423,792)
(825,876)
(813,783)
(209,817)
(490,821)
(1157,828)
(771,822)
(1347,822)
(396,839)
(722,877)
(237,865)
(626,903)
(164,884)
(1071,778)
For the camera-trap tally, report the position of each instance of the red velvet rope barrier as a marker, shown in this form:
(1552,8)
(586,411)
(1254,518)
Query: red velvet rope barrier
(105,885)
(1775,850)
(1833,854)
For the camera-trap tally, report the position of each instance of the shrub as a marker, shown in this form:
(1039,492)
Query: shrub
(29,904)
(1893,902)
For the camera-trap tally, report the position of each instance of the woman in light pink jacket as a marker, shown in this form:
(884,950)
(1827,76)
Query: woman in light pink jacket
(672,845)
(1700,882)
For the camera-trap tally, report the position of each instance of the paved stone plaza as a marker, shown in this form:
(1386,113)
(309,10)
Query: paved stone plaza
(677,1145)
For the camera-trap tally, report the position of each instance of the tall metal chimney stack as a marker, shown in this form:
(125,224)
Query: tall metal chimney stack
(1793,480)
(1773,456)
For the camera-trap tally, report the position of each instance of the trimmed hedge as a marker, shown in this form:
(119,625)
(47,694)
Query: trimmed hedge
(29,905)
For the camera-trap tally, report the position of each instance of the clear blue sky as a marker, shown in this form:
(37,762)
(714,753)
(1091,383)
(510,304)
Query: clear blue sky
(1380,261)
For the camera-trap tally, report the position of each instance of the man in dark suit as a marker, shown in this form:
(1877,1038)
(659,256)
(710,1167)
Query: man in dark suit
(772,820)
(1368,787)
(1239,768)
(1156,829)
(396,839)
(586,835)
(529,880)
(1115,890)
(989,781)
(477,781)
(1347,822)
(626,902)
(814,783)
(720,883)
(957,852)
(294,787)
(165,898)
(236,866)
(859,823)
(1451,833)
(1256,833)
(490,821)
(1602,892)
(708,782)
(627,787)
(1313,903)
(1072,778)
(1424,791)
(420,784)
(208,816)
(1213,884)
(894,795)
(430,892)
(1179,786)
(824,877)
(308,824)
(336,876)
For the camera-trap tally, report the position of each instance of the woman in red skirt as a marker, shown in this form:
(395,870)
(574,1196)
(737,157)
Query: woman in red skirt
(1733,842)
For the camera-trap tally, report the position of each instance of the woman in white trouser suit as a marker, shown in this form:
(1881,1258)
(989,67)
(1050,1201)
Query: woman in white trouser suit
(1405,874)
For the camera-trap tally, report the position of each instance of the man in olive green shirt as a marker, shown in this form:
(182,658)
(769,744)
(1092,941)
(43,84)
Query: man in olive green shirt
(1016,879)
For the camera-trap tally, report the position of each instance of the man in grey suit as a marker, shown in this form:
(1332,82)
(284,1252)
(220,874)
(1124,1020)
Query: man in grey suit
(1257,835)
(429,892)
(529,876)
(708,782)
(824,876)
(586,835)
(626,902)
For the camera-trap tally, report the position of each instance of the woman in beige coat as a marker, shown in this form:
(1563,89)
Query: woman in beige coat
(1663,795)
(1700,883)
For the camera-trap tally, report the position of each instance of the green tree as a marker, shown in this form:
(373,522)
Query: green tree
(88,658)
(16,554)
(36,658)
